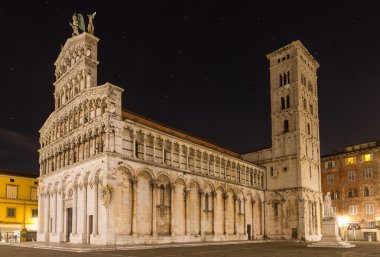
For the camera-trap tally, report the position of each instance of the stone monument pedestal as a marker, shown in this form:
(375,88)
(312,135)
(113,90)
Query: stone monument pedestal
(331,238)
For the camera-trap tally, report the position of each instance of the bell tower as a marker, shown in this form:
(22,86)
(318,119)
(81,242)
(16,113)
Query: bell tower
(75,68)
(294,112)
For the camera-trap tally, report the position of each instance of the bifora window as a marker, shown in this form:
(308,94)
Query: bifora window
(369,208)
(350,160)
(368,173)
(367,157)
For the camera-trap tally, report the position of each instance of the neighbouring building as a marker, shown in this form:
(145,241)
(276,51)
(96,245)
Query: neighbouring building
(18,206)
(109,176)
(353,179)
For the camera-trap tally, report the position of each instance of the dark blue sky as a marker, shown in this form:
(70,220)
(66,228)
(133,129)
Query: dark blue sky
(198,66)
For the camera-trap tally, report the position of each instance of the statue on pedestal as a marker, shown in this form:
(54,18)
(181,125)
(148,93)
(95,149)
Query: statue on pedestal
(90,26)
(78,23)
(327,205)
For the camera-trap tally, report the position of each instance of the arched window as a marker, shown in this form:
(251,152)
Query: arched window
(285,79)
(304,103)
(162,195)
(280,80)
(275,209)
(288,77)
(286,126)
(207,206)
(251,178)
(282,103)
(308,128)
(287,101)
(366,191)
(350,193)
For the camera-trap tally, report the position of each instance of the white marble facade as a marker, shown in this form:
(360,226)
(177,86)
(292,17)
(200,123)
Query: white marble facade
(108,176)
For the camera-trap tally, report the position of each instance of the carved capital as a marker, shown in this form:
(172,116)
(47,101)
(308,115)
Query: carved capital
(201,192)
(225,196)
(214,194)
(154,183)
(134,180)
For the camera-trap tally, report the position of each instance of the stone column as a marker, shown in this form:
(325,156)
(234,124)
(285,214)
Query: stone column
(75,208)
(187,157)
(264,215)
(253,218)
(41,198)
(134,205)
(201,211)
(154,208)
(187,211)
(172,188)
(84,221)
(47,218)
(153,148)
(55,212)
(225,195)
(214,203)
(95,218)
(61,213)
(235,198)
(245,218)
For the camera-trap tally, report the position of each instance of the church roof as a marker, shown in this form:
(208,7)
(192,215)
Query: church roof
(177,133)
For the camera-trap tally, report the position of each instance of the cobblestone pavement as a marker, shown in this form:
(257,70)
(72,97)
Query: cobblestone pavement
(270,249)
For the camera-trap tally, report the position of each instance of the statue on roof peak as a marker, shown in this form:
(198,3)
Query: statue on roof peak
(78,24)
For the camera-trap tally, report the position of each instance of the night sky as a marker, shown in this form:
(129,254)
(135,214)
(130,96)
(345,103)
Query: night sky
(198,66)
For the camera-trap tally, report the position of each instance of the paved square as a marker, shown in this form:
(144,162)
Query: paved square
(270,249)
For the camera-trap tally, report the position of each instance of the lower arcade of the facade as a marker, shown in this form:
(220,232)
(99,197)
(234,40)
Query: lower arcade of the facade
(111,200)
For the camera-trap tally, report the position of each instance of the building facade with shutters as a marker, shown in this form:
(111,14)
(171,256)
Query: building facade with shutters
(18,206)
(353,179)
(109,176)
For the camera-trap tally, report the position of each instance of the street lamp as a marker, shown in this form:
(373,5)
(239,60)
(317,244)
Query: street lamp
(342,223)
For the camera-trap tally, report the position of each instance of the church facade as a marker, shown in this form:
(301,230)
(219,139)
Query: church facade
(109,176)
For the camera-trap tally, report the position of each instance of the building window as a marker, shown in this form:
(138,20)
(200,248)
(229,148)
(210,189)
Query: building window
(350,160)
(275,209)
(366,191)
(207,204)
(281,81)
(136,149)
(286,126)
(350,193)
(367,157)
(33,194)
(336,195)
(282,103)
(330,178)
(368,173)
(304,103)
(11,192)
(34,213)
(11,212)
(287,101)
(333,210)
(351,175)
(162,195)
(369,208)
(311,109)
(330,164)
(353,209)
(240,207)
(308,128)
(371,224)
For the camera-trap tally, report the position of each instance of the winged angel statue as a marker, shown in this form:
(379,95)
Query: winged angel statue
(78,23)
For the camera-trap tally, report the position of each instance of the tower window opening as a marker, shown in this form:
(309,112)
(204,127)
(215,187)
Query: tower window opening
(308,128)
(281,81)
(288,77)
(285,79)
(366,191)
(282,103)
(304,103)
(286,126)
(287,101)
